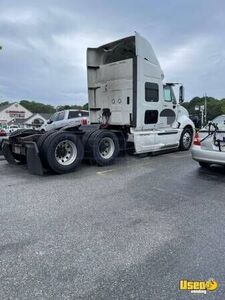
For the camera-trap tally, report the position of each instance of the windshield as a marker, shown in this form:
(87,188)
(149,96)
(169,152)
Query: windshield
(168,93)
(53,117)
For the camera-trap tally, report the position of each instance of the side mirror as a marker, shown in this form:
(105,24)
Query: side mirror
(49,121)
(181,94)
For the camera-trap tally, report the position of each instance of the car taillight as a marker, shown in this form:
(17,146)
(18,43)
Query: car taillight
(3,133)
(83,121)
(197,140)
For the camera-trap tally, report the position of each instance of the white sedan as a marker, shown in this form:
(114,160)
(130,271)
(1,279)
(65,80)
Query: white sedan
(209,143)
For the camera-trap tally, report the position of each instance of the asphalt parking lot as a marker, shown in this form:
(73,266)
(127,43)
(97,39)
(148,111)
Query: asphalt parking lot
(128,231)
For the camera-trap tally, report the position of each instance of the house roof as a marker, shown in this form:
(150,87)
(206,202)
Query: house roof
(43,115)
(22,121)
(29,117)
(3,107)
(46,116)
(17,121)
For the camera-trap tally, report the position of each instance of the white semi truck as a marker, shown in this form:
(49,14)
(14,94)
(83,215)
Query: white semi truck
(130,107)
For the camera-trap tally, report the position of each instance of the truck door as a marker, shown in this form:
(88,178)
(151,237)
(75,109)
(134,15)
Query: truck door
(59,122)
(74,117)
(151,104)
(169,133)
(51,122)
(169,107)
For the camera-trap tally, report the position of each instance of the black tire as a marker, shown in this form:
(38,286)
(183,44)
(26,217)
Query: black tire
(186,139)
(43,137)
(204,164)
(101,142)
(49,149)
(40,143)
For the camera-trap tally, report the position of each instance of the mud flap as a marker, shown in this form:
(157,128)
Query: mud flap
(8,153)
(34,164)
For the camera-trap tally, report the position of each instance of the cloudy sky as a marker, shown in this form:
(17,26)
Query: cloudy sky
(44,43)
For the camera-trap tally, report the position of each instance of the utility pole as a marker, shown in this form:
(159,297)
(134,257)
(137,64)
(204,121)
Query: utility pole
(202,108)
(205,109)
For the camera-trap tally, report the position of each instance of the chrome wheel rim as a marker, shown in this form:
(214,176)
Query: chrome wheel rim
(65,152)
(187,140)
(106,148)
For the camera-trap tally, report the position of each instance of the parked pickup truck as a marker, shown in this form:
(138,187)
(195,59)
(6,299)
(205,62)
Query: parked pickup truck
(66,117)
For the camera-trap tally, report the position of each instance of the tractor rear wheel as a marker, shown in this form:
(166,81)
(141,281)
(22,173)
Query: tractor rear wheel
(63,151)
(103,147)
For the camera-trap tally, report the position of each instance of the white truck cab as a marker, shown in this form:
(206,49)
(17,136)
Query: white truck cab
(126,89)
(131,108)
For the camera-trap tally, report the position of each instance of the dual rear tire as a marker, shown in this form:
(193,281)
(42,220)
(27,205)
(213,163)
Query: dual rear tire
(63,151)
(102,147)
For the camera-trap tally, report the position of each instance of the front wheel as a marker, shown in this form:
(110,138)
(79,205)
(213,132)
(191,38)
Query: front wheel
(186,139)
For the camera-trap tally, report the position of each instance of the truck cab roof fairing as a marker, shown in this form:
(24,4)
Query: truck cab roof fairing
(116,51)
(145,50)
(125,48)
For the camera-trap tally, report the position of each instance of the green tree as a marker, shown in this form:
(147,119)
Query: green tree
(36,107)
(222,101)
(85,106)
(4,103)
(215,107)
(63,107)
